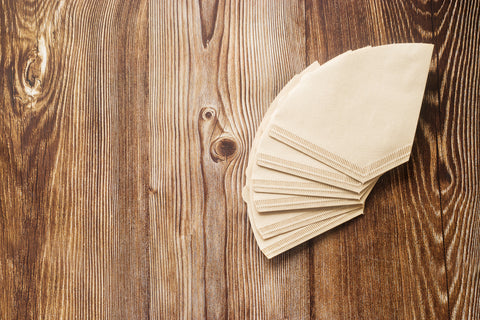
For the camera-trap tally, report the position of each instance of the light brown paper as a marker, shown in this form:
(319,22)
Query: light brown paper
(301,187)
(263,126)
(266,202)
(287,241)
(340,169)
(280,157)
(358,113)
(281,243)
(296,164)
(274,223)
(293,163)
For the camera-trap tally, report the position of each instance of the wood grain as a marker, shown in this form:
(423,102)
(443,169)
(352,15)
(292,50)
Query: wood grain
(389,263)
(125,127)
(214,68)
(74,225)
(457,35)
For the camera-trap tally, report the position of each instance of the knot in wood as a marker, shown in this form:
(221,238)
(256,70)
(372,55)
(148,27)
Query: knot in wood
(223,148)
(34,69)
(33,72)
(208,113)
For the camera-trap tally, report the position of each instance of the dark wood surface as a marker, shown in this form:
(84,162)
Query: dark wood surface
(125,128)
(389,263)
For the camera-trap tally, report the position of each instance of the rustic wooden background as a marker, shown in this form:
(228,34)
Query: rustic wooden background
(124,133)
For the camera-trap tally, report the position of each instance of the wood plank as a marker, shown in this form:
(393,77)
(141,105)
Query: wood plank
(125,128)
(457,37)
(73,206)
(389,263)
(214,68)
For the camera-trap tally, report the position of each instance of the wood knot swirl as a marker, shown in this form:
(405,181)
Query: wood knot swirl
(33,73)
(223,148)
(208,113)
(214,133)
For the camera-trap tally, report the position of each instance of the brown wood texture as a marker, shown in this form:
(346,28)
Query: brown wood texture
(214,68)
(390,262)
(125,127)
(74,167)
(457,37)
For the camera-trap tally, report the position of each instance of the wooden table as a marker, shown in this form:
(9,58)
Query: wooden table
(125,129)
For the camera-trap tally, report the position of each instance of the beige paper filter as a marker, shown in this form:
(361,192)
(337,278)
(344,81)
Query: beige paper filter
(277,222)
(273,224)
(263,126)
(357,114)
(285,241)
(266,202)
(327,137)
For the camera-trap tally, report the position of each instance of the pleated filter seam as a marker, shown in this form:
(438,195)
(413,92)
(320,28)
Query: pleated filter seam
(370,171)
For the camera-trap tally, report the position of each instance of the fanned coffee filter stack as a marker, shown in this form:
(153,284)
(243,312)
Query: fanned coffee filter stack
(327,137)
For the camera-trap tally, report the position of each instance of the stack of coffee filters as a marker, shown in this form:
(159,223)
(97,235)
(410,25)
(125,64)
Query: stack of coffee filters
(327,137)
